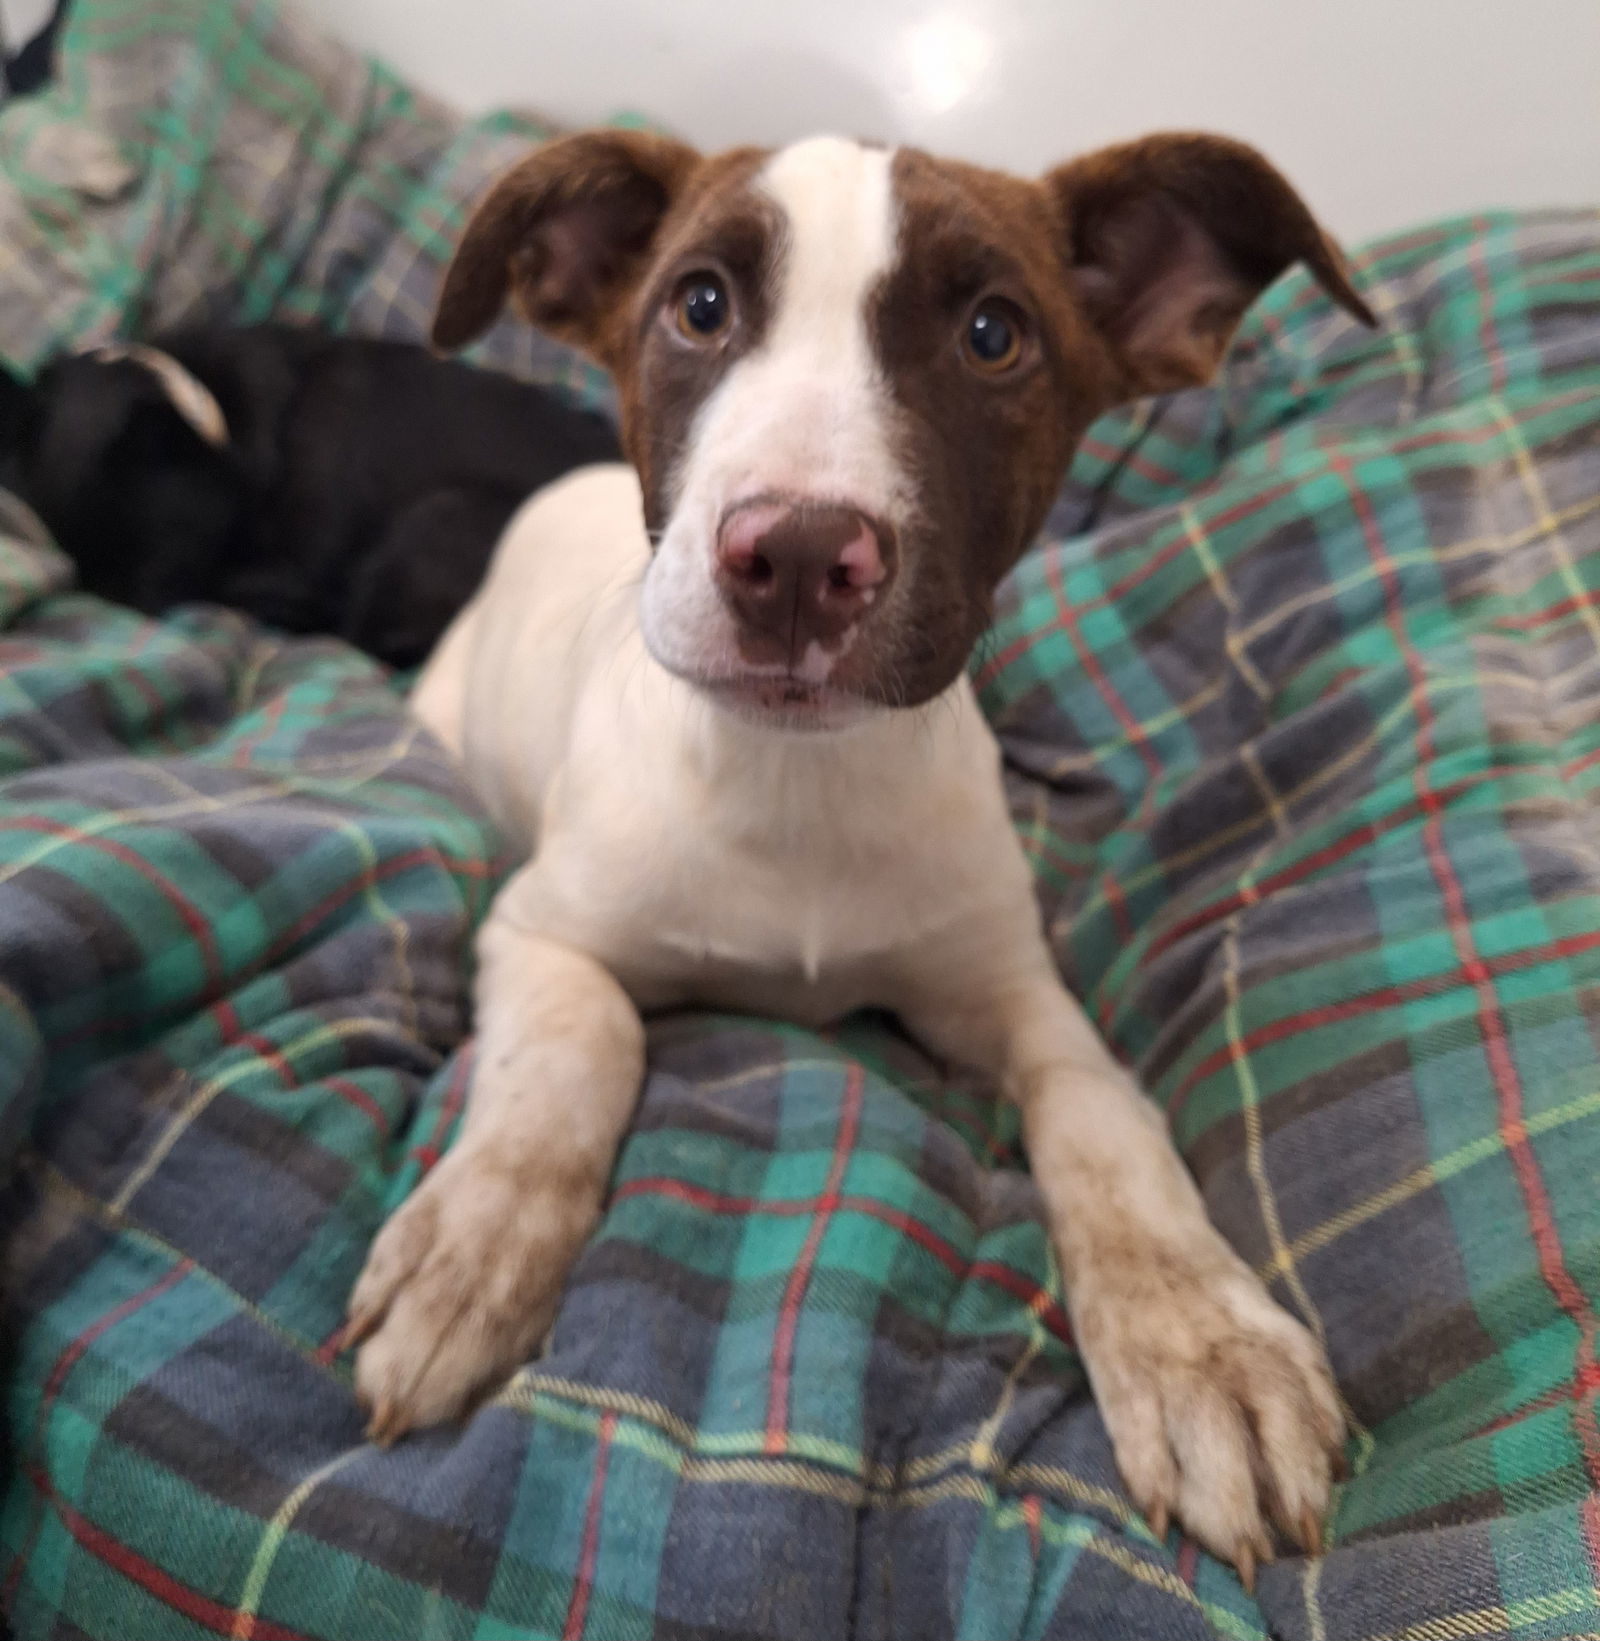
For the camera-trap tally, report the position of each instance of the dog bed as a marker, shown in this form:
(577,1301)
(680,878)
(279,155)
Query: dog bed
(1301,702)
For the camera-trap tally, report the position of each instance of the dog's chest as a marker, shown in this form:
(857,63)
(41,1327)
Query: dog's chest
(777,933)
(777,881)
(803,927)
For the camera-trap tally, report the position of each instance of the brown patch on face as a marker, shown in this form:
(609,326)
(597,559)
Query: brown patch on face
(591,237)
(720,225)
(986,452)
(1128,272)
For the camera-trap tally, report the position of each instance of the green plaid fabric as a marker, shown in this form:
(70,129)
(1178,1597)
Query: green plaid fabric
(1302,711)
(221,161)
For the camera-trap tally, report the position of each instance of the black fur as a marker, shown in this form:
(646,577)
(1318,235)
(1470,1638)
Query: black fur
(361,492)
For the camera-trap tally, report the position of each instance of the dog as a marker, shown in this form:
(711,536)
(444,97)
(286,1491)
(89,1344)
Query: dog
(322,484)
(718,699)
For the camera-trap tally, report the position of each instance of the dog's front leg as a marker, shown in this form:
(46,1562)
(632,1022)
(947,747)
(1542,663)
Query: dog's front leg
(462,1283)
(1220,1406)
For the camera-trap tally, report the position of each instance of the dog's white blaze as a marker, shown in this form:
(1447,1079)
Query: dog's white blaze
(805,413)
(838,204)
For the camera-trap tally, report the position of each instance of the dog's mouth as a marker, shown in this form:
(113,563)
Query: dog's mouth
(784,701)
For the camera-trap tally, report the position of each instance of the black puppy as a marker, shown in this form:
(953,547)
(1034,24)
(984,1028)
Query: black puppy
(322,484)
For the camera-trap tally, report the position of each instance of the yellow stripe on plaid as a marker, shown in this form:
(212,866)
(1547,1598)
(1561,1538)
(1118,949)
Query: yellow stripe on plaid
(244,1624)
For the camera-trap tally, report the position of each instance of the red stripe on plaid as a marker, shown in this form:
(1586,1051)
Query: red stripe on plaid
(1339,683)
(1028,1291)
(1405,991)
(997,662)
(370,878)
(188,913)
(474,870)
(1048,852)
(64,1365)
(1336,447)
(1131,456)
(1097,674)
(800,1277)
(233,1033)
(1033,1515)
(589,1555)
(97,1329)
(1586,1382)
(332,1347)
(1491,1020)
(158,706)
(1188,1561)
(1149,567)
(271,719)
(1330,855)
(1552,612)
(725,1202)
(427,1154)
(1340,848)
(154,1580)
(1369,832)
(352,1093)
(1135,731)
(998,1275)
(1118,902)
(1146,568)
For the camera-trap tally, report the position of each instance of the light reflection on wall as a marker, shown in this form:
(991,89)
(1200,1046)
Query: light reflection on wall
(947,54)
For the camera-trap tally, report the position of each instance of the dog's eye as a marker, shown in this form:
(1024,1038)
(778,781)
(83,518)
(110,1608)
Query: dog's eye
(703,308)
(993,342)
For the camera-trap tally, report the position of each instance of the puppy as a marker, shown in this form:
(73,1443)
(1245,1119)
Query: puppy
(718,699)
(321,484)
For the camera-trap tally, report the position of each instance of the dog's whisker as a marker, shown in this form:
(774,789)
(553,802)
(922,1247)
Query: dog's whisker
(625,581)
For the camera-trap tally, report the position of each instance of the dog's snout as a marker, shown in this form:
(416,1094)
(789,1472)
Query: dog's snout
(802,572)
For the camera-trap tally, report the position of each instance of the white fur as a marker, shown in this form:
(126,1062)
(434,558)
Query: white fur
(806,413)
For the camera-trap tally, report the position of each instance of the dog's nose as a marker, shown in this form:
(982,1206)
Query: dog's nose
(802,572)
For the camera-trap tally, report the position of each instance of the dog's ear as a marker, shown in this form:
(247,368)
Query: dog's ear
(1170,239)
(566,234)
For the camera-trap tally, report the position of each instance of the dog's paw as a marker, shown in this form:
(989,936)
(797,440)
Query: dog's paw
(459,1288)
(1220,1406)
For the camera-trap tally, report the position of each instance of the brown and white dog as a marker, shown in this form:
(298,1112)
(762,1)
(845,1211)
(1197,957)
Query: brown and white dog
(718,698)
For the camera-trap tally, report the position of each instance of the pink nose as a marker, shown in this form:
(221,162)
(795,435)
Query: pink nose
(801,572)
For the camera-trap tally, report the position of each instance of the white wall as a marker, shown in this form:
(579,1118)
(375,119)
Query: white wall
(1385,112)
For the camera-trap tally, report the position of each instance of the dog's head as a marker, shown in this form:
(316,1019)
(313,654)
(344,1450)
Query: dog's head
(851,377)
(123,454)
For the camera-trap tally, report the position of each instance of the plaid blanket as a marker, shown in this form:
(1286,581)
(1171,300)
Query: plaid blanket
(1302,711)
